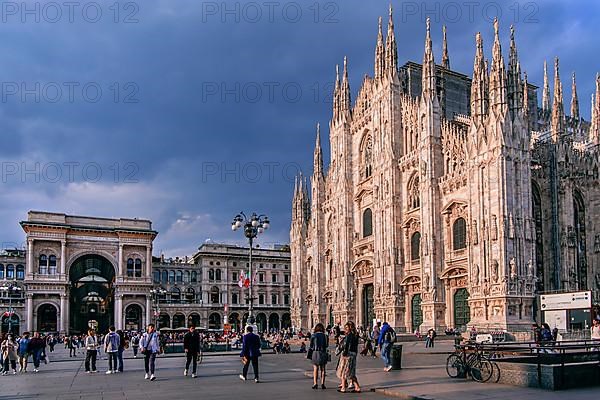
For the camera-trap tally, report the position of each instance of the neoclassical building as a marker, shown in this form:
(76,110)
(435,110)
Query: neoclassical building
(203,289)
(449,200)
(80,270)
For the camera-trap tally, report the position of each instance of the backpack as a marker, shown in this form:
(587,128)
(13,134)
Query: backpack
(547,335)
(390,335)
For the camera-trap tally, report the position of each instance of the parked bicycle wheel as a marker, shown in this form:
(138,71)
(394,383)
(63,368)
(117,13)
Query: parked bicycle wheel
(481,370)
(454,365)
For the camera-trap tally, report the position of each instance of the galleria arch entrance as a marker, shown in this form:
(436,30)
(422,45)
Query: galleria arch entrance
(92,293)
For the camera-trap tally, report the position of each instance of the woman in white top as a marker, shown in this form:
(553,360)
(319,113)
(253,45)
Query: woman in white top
(596,329)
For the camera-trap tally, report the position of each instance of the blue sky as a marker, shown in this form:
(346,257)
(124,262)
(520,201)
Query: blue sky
(186,112)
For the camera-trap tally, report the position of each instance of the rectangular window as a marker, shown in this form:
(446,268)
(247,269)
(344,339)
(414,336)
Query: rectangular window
(286,299)
(274,265)
(261,277)
(274,278)
(286,278)
(234,276)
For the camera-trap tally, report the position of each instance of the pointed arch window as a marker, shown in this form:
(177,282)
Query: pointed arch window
(367,221)
(459,234)
(415,246)
(367,158)
(414,196)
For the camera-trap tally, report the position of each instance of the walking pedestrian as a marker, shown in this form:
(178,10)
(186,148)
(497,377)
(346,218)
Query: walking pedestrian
(375,337)
(37,346)
(317,353)
(347,368)
(72,346)
(123,344)
(430,339)
(91,351)
(385,345)
(135,344)
(250,353)
(191,346)
(9,352)
(51,341)
(150,348)
(111,348)
(24,352)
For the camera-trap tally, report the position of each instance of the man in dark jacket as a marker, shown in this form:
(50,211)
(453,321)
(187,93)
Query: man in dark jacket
(122,344)
(250,352)
(191,346)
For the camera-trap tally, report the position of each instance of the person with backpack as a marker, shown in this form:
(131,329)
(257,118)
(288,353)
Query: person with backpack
(112,341)
(150,348)
(387,336)
(135,344)
(36,347)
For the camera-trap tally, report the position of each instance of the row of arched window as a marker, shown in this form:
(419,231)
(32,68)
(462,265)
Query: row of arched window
(47,265)
(459,239)
(134,268)
(175,296)
(175,276)
(11,272)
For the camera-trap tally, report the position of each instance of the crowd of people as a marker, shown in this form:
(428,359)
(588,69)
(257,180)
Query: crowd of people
(346,344)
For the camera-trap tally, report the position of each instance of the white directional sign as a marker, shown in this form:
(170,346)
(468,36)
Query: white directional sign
(566,301)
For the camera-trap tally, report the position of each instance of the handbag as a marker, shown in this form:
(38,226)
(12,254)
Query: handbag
(309,354)
(245,360)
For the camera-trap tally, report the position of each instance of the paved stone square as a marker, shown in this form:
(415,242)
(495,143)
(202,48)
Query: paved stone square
(423,377)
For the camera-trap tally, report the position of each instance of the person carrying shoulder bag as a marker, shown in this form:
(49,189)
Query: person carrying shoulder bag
(318,354)
(150,348)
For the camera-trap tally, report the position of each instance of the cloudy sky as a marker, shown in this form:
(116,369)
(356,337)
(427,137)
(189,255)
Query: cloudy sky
(186,112)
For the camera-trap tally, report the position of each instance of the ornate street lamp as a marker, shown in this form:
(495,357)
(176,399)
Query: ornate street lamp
(155,294)
(10,288)
(252,226)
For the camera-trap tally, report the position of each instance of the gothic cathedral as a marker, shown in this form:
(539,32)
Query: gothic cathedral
(449,200)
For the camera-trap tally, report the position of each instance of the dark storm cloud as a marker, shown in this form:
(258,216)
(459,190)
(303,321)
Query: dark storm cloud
(196,110)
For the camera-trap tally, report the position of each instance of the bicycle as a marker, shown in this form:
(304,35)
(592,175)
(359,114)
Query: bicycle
(475,364)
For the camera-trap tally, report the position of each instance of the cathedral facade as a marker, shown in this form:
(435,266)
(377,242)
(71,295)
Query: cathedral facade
(449,200)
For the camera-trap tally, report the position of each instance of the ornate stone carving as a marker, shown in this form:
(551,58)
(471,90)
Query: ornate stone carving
(513,268)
